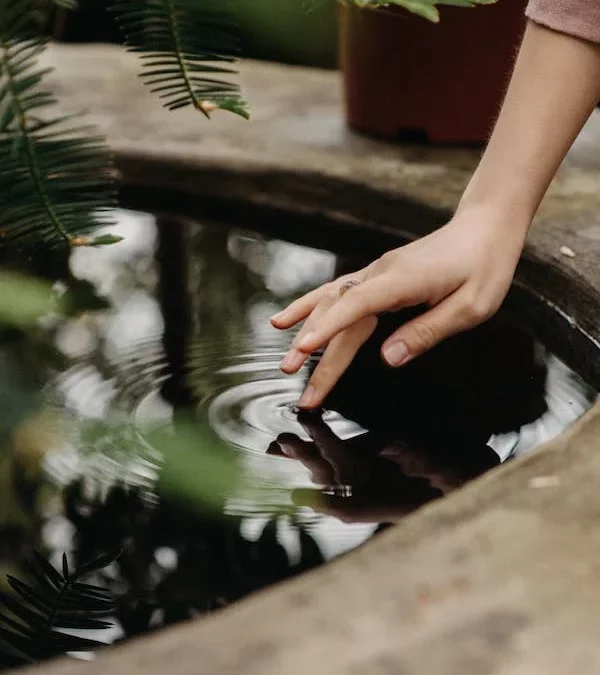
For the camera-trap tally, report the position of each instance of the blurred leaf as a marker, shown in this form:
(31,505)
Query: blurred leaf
(23,300)
(20,397)
(187,461)
(198,467)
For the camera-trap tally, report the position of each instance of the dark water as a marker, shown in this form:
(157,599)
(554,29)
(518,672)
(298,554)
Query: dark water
(172,333)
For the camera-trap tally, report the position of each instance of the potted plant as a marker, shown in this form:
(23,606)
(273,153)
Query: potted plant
(443,81)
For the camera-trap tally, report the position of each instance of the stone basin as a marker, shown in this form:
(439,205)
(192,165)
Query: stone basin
(502,577)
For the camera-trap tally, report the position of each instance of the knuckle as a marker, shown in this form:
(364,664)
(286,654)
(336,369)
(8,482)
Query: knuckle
(327,292)
(388,258)
(424,335)
(477,308)
(306,328)
(360,299)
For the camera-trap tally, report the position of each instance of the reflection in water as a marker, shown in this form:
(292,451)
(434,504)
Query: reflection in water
(185,336)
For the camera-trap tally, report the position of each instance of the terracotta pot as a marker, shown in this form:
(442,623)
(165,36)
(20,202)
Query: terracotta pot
(443,81)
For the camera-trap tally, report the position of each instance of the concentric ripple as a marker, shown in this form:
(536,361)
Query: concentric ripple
(253,402)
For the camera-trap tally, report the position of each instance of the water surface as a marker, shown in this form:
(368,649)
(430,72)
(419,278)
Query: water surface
(169,337)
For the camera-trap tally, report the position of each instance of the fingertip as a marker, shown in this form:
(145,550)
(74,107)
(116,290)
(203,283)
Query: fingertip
(310,399)
(286,322)
(292,362)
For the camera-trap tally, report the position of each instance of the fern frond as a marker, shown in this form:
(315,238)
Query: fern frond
(187,47)
(55,181)
(34,618)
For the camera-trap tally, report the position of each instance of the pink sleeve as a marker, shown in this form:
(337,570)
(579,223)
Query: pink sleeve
(580,18)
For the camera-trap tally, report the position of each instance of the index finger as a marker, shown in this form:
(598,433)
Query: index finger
(369,298)
(299,309)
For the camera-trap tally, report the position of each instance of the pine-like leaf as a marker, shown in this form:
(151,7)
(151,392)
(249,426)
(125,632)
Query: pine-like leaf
(34,618)
(56,183)
(187,48)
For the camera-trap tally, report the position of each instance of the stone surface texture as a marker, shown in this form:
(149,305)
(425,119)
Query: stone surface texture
(503,577)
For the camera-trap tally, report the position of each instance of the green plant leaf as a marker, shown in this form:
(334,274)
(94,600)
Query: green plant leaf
(35,617)
(187,48)
(23,300)
(198,467)
(56,179)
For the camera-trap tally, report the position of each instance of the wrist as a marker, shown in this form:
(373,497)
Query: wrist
(500,221)
(510,213)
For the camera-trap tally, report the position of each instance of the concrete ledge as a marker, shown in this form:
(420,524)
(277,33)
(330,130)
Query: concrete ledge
(498,579)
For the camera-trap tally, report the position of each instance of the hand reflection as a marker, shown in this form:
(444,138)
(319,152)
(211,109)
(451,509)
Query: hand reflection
(366,479)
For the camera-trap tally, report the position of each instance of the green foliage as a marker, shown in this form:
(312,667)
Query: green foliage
(34,618)
(199,469)
(55,179)
(23,300)
(56,183)
(185,47)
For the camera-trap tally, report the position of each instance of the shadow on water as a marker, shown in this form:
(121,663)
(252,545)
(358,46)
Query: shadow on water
(154,419)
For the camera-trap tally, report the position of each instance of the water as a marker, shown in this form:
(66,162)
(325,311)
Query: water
(169,339)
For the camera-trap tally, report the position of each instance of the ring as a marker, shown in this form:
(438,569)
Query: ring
(347,285)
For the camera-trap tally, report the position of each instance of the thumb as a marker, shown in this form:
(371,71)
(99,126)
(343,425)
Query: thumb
(426,331)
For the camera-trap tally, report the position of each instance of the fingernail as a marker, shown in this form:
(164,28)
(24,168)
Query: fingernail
(277,316)
(307,340)
(395,353)
(308,397)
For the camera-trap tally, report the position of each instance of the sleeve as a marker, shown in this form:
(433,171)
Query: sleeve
(580,18)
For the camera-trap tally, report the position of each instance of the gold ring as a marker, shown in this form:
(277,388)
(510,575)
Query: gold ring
(347,285)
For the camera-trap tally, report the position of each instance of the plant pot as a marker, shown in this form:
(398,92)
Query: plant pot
(444,82)
(289,30)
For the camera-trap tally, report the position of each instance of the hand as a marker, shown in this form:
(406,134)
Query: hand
(360,483)
(462,272)
(368,480)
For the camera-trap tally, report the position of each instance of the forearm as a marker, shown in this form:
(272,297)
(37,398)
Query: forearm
(554,89)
